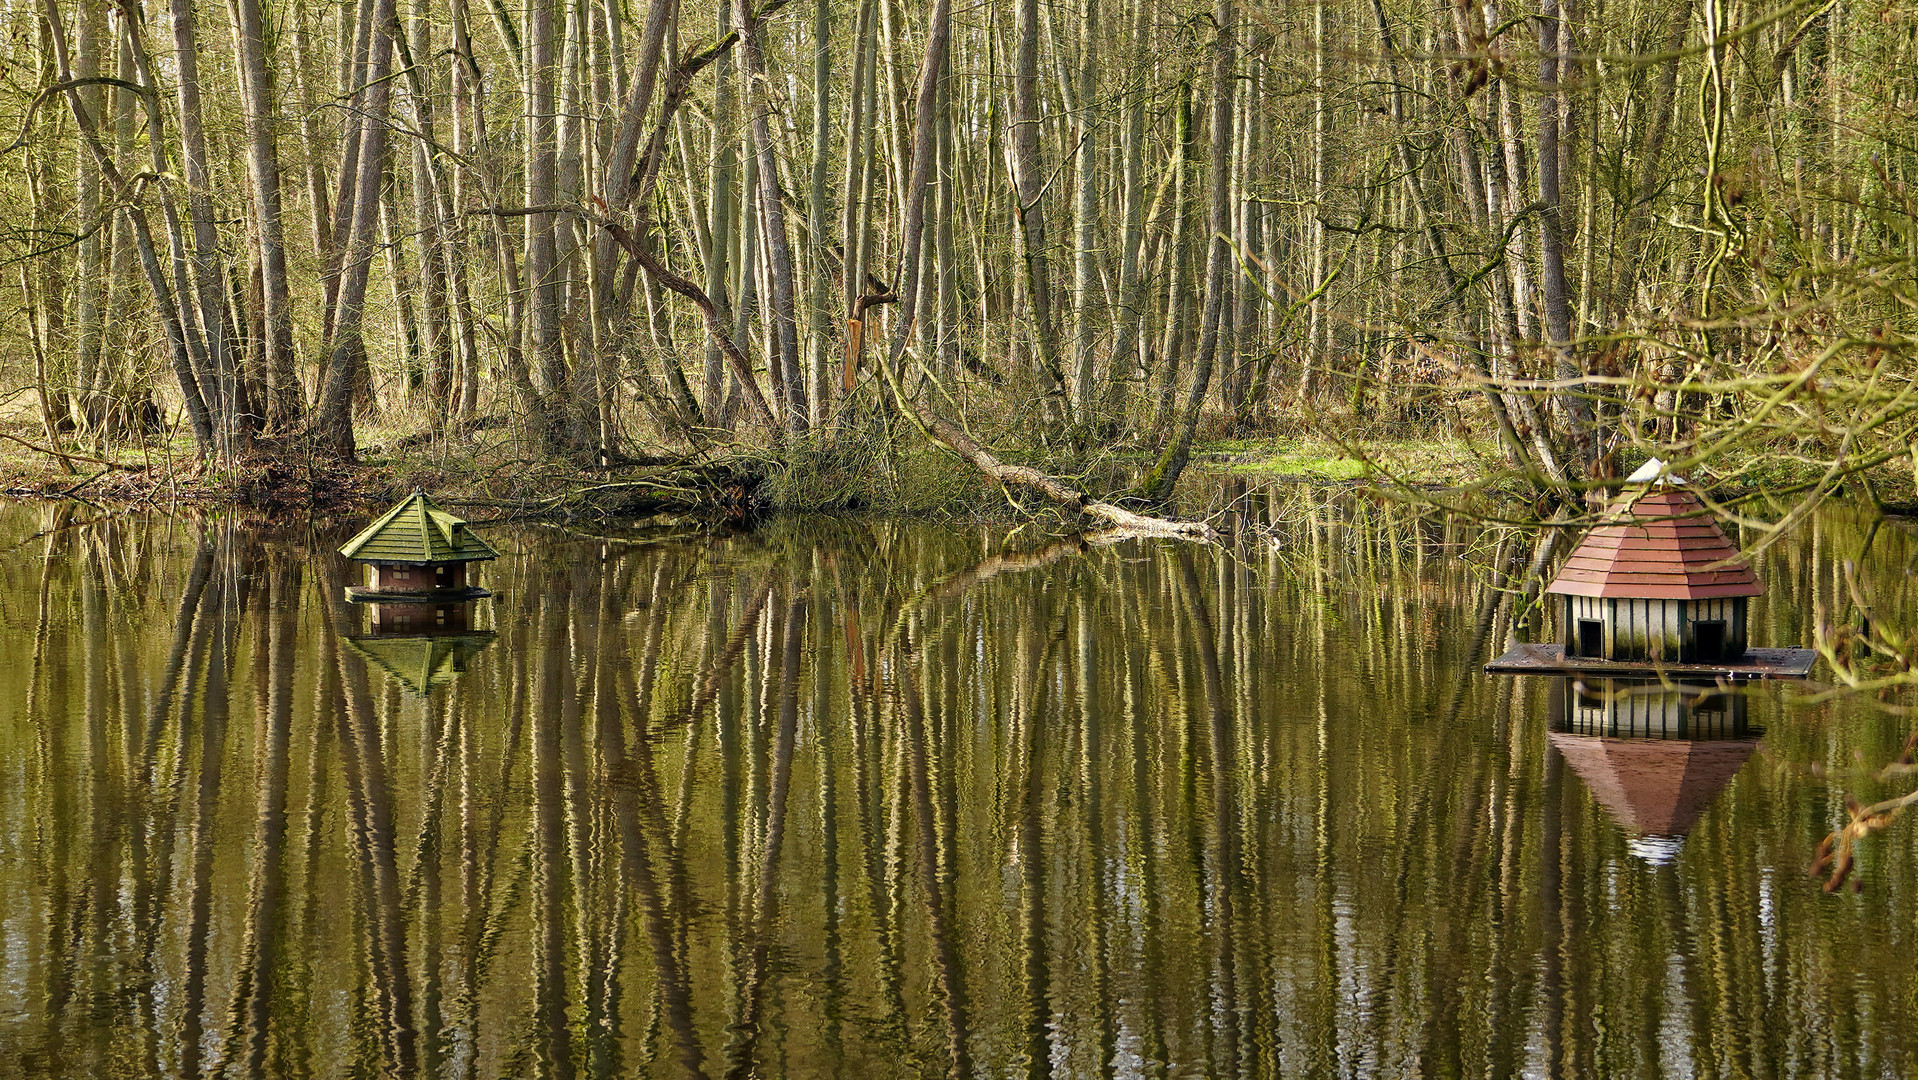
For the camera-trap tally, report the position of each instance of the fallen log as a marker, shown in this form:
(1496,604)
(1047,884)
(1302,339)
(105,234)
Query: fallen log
(952,438)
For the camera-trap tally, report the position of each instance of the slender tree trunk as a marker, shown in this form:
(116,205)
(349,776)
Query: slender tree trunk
(747,258)
(39,285)
(333,416)
(721,214)
(246,333)
(818,213)
(1502,113)
(87,409)
(853,210)
(1251,244)
(404,286)
(893,116)
(788,376)
(925,144)
(1087,313)
(1574,409)
(355,57)
(512,340)
(129,399)
(1126,331)
(1029,182)
(432,217)
(1159,483)
(1317,331)
(573,150)
(543,290)
(209,272)
(1178,302)
(856,208)
(287,402)
(946,207)
(465,103)
(320,213)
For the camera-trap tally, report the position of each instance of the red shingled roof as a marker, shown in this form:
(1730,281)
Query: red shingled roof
(1660,544)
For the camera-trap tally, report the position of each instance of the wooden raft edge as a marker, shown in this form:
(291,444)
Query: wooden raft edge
(1549,659)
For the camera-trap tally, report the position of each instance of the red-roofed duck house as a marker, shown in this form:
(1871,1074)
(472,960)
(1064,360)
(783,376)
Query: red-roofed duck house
(1659,581)
(1655,586)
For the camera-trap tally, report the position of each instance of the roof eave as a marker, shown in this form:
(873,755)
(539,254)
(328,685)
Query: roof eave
(461,544)
(383,560)
(1607,590)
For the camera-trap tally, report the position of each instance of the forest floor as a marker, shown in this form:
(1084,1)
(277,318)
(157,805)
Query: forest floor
(864,472)
(491,474)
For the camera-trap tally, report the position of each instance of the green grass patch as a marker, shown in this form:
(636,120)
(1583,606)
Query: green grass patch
(1304,463)
(1440,460)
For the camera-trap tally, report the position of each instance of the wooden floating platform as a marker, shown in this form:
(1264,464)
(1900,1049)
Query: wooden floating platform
(361,594)
(1755,664)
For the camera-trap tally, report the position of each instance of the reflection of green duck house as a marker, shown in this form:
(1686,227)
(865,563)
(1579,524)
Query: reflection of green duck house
(417,553)
(1656,585)
(422,660)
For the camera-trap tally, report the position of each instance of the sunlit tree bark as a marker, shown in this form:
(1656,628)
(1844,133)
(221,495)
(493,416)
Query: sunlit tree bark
(1158,483)
(287,404)
(333,415)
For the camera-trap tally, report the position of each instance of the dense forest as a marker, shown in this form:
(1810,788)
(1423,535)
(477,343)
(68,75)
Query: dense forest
(1068,225)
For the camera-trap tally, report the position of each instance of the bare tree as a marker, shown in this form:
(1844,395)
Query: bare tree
(1164,476)
(333,415)
(288,402)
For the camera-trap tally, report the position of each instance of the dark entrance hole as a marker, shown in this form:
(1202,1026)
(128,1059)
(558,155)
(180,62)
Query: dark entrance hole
(1708,638)
(1591,637)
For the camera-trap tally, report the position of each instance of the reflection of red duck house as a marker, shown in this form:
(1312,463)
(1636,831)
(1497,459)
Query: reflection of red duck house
(1653,755)
(1655,586)
(417,553)
(1650,786)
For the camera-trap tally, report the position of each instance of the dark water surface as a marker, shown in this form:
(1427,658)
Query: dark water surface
(868,799)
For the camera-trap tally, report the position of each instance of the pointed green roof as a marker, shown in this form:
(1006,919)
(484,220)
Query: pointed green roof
(421,663)
(417,531)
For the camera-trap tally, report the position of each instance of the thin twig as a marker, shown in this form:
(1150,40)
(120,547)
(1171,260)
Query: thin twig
(110,465)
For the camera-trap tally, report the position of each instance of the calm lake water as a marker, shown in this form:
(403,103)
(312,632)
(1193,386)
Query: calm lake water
(838,798)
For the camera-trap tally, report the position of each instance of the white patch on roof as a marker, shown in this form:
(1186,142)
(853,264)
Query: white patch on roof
(1653,472)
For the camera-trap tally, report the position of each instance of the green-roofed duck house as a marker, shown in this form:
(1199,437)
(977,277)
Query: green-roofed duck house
(417,553)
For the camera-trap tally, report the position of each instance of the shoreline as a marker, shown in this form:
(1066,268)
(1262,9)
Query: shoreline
(750,483)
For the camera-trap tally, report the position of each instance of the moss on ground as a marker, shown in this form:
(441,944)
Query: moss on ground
(1449,461)
(1439,461)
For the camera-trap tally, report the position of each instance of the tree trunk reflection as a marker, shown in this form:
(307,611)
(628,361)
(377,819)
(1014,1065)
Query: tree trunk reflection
(877,799)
